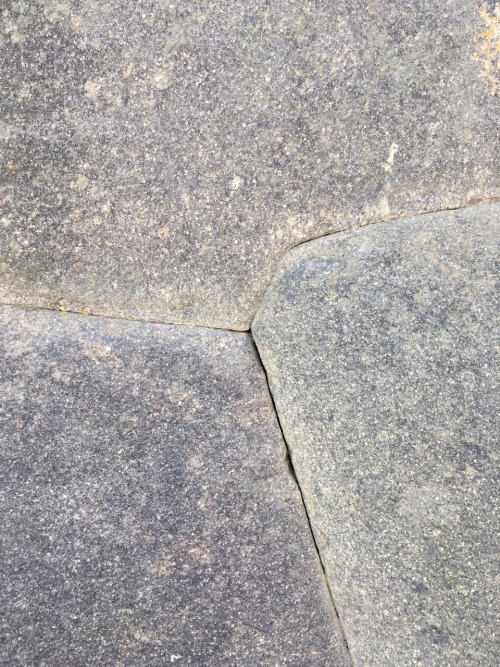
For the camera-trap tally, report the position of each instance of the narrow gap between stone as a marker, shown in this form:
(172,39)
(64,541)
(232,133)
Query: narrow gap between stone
(294,477)
(54,309)
(484,202)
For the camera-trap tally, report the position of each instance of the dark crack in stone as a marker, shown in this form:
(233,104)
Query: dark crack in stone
(159,158)
(381,347)
(148,517)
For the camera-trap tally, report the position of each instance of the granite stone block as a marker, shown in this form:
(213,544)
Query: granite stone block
(381,348)
(159,158)
(147,514)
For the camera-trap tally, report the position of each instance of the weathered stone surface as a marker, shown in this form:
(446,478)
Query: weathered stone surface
(148,517)
(160,157)
(380,345)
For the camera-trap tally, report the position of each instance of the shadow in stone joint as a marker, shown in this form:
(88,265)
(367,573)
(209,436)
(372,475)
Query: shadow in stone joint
(293,474)
(25,306)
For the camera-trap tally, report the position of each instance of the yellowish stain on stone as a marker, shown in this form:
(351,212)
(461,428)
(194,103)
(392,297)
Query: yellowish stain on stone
(489,47)
(164,567)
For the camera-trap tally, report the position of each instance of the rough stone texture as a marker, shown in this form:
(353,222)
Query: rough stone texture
(160,157)
(380,345)
(148,516)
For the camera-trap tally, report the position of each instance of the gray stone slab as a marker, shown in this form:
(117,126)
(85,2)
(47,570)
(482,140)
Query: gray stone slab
(159,158)
(148,516)
(381,347)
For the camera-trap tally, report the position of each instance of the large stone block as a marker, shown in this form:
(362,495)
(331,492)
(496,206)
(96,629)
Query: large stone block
(381,347)
(148,516)
(159,158)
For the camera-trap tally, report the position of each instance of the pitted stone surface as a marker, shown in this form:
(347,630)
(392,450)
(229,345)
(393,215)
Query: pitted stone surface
(160,157)
(381,348)
(148,517)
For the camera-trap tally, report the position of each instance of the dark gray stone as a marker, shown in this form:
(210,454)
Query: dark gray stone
(160,157)
(381,347)
(148,516)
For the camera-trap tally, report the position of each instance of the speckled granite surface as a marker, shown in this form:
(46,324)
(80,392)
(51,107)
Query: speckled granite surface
(381,348)
(148,515)
(160,157)
(159,161)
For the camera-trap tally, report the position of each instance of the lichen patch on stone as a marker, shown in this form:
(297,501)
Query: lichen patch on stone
(489,47)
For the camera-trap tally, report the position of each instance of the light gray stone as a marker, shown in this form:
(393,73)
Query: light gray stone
(148,516)
(159,158)
(381,348)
